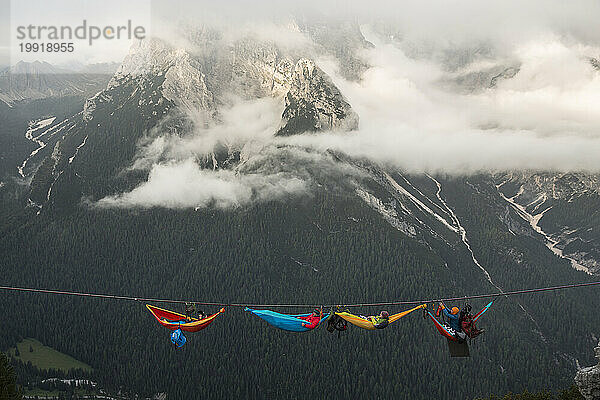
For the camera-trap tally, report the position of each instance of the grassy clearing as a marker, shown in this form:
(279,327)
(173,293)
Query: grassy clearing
(44,357)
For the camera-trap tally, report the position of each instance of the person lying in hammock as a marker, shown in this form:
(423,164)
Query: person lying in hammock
(379,321)
(462,324)
(190,309)
(453,318)
(313,319)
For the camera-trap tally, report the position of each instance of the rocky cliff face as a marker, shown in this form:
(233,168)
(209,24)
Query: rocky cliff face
(184,82)
(160,84)
(314,103)
(563,186)
(255,69)
(248,69)
(475,81)
(588,379)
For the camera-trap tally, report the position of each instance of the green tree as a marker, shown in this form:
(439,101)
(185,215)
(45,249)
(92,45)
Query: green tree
(8,387)
(570,394)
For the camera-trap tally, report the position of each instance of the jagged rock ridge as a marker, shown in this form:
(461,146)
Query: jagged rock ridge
(314,103)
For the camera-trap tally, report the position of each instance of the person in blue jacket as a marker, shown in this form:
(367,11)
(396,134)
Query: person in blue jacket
(453,317)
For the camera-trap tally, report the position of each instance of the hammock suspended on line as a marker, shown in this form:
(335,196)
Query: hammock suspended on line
(480,313)
(450,333)
(291,323)
(366,324)
(174,321)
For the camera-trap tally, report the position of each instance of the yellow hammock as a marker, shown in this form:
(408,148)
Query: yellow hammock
(365,324)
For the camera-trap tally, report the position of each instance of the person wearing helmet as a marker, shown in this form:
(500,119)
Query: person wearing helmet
(189,311)
(380,321)
(453,317)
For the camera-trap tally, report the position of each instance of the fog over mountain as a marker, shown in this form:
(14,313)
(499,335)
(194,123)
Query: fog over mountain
(545,118)
(455,89)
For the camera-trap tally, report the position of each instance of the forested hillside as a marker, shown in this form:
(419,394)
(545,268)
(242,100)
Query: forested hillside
(250,255)
(8,388)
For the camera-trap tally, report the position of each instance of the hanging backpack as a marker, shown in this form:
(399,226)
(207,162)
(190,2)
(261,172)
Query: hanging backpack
(469,327)
(177,338)
(335,322)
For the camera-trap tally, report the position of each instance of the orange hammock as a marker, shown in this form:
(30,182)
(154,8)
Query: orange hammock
(174,321)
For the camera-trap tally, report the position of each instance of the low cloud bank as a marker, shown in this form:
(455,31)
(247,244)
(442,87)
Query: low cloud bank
(546,117)
(541,112)
(177,180)
(186,185)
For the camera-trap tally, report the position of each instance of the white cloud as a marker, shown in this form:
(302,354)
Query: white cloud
(176,180)
(242,122)
(545,118)
(441,22)
(184,184)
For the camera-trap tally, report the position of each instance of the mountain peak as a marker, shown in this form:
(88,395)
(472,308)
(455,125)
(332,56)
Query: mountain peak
(35,67)
(314,103)
(183,82)
(146,57)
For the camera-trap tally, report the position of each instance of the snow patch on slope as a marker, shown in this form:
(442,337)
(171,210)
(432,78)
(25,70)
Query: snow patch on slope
(463,236)
(419,203)
(77,150)
(387,211)
(35,126)
(534,222)
(462,233)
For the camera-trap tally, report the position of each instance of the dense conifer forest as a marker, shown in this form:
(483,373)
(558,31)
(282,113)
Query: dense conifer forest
(346,255)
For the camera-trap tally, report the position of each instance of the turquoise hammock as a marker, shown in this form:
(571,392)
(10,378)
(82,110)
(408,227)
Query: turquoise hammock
(291,323)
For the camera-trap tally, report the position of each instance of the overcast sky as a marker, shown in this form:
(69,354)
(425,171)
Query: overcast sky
(71,13)
(440,22)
